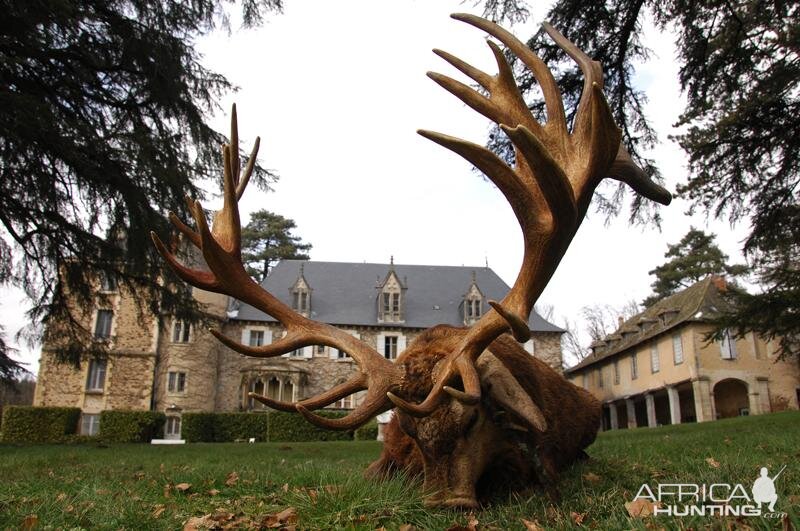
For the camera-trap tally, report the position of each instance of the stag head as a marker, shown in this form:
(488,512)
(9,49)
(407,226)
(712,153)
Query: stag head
(471,399)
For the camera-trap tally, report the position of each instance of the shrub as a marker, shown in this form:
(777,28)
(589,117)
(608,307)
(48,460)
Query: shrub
(198,427)
(367,432)
(119,426)
(289,427)
(231,426)
(30,424)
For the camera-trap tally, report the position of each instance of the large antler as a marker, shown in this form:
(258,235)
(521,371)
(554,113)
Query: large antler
(549,188)
(221,248)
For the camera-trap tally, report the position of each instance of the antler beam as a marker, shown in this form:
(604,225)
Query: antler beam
(549,188)
(221,249)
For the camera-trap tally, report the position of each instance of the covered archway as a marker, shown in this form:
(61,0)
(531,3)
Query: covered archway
(731,399)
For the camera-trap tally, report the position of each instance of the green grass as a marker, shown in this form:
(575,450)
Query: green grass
(133,486)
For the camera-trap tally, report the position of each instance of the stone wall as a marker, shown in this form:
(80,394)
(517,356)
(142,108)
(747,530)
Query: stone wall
(547,347)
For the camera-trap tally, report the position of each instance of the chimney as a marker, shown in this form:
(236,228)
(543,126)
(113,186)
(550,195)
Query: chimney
(720,283)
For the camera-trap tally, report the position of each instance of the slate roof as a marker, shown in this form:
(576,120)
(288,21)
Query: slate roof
(346,293)
(695,303)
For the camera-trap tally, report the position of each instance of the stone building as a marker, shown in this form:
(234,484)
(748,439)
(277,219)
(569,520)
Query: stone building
(171,366)
(658,367)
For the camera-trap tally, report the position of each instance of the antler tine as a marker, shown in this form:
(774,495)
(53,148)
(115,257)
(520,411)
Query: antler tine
(354,385)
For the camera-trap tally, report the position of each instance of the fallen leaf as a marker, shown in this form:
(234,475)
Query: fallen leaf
(282,519)
(332,489)
(472,524)
(70,508)
(200,523)
(213,492)
(404,527)
(139,475)
(727,440)
(159,510)
(285,487)
(786,523)
(313,495)
(102,492)
(61,497)
(591,477)
(641,508)
(232,479)
(161,467)
(167,490)
(551,513)
(30,522)
(532,526)
(183,487)
(577,517)
(713,462)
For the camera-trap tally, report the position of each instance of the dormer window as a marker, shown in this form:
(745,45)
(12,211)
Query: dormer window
(391,304)
(473,302)
(301,294)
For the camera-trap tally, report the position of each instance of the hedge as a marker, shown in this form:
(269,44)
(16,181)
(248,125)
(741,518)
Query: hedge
(367,432)
(120,426)
(273,426)
(30,424)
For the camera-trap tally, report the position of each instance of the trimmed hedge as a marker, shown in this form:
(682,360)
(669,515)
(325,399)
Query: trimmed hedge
(272,426)
(367,432)
(33,424)
(120,426)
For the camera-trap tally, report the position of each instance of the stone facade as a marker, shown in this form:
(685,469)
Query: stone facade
(159,364)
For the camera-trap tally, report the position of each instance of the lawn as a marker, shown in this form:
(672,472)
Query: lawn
(161,487)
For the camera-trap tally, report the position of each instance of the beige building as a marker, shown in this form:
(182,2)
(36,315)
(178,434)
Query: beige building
(165,365)
(658,368)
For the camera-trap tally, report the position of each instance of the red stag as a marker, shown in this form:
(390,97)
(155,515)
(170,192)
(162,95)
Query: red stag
(474,410)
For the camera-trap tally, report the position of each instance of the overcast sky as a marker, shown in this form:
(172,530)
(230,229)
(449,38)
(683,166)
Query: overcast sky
(337,89)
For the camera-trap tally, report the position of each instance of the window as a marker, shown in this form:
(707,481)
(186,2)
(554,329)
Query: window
(344,403)
(616,372)
(390,347)
(341,355)
(300,300)
(677,349)
(634,367)
(320,349)
(180,332)
(173,427)
(90,424)
(108,282)
(599,377)
(96,379)
(655,360)
(176,382)
(297,353)
(102,327)
(256,338)
(391,303)
(472,309)
(727,346)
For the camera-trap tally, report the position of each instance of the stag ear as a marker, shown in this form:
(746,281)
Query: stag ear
(506,391)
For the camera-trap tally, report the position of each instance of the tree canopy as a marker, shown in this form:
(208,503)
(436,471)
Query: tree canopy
(692,259)
(266,239)
(739,67)
(103,129)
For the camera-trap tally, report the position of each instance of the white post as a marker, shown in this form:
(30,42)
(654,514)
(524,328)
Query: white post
(674,405)
(651,410)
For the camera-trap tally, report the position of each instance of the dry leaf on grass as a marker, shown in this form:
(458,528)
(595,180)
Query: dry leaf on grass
(213,492)
(287,517)
(201,523)
(61,497)
(472,524)
(30,522)
(577,517)
(532,526)
(641,508)
(712,462)
(158,510)
(591,477)
(551,512)
(232,479)
(167,490)
(183,487)
(285,487)
(404,527)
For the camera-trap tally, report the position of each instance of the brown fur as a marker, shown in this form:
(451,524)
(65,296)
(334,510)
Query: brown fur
(470,452)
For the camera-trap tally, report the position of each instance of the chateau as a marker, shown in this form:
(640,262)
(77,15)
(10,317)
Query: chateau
(658,367)
(165,365)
